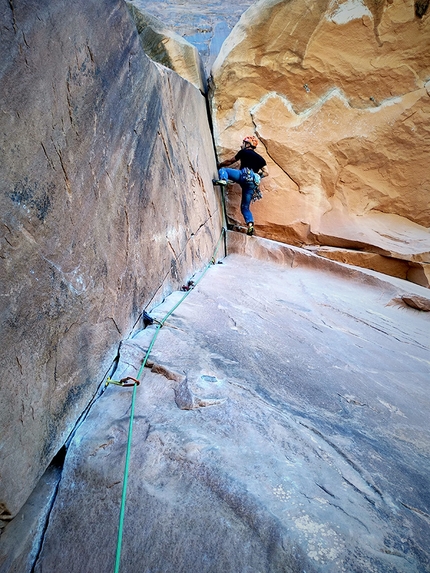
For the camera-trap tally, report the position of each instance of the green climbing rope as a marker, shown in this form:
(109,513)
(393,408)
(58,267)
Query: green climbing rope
(133,400)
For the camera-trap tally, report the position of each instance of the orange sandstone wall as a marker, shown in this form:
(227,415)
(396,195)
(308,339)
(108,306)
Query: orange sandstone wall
(338,94)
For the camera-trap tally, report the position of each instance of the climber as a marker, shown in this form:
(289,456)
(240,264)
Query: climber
(248,159)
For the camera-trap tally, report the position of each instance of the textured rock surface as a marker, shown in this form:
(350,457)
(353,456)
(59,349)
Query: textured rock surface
(337,94)
(381,263)
(106,204)
(21,539)
(168,48)
(282,426)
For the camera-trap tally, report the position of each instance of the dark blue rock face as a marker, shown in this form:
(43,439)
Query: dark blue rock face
(204,24)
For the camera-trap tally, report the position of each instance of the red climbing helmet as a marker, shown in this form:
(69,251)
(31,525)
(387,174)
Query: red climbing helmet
(253,141)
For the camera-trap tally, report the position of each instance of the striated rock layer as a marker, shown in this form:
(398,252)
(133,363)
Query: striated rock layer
(106,205)
(338,94)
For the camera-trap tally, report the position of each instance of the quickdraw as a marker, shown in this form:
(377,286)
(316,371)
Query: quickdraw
(123,382)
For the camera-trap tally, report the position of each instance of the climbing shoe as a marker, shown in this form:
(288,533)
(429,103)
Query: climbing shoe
(219,181)
(250,230)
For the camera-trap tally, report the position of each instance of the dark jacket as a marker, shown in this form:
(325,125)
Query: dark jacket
(250,158)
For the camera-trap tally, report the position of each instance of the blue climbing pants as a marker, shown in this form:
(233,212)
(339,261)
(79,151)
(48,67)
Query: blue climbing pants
(247,191)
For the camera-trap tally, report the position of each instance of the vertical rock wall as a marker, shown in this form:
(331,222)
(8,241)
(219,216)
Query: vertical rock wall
(106,205)
(338,95)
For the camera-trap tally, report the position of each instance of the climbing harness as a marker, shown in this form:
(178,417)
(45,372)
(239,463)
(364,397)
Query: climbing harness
(247,176)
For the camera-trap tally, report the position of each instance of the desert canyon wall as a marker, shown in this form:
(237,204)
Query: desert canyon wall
(107,204)
(338,94)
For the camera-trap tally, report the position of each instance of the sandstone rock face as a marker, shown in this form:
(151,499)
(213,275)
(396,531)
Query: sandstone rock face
(106,205)
(281,426)
(337,94)
(168,48)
